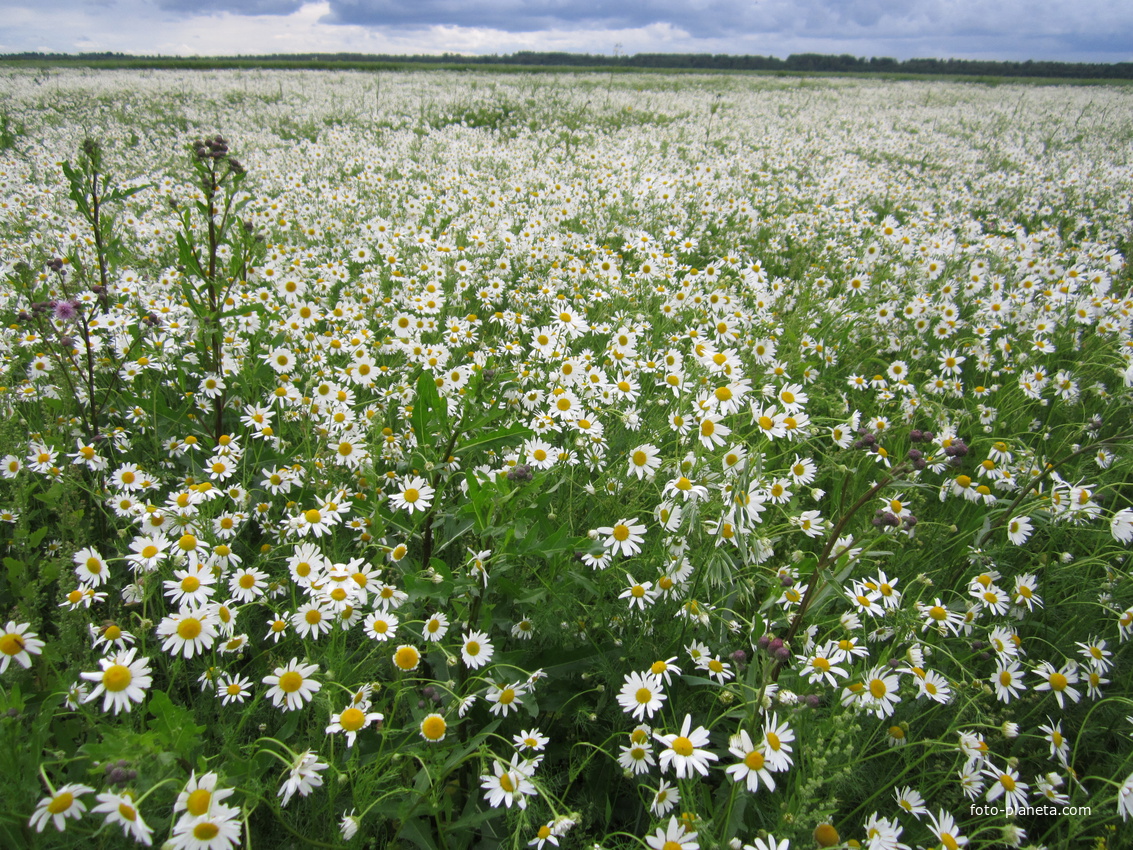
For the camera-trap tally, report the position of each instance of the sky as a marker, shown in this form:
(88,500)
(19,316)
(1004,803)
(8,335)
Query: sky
(1062,30)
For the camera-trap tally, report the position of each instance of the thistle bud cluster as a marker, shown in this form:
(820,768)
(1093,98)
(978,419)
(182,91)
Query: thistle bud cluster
(215,148)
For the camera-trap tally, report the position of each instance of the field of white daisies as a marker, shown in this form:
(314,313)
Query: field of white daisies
(459,461)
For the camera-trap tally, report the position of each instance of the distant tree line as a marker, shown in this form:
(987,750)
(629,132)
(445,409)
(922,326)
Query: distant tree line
(796,62)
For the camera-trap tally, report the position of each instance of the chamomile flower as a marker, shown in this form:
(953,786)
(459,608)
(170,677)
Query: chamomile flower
(122,809)
(18,644)
(642,695)
(302,777)
(684,751)
(60,805)
(505,698)
(476,650)
(414,494)
(752,767)
(665,798)
(507,785)
(122,681)
(352,720)
(189,632)
(624,537)
(292,686)
(1059,681)
(435,628)
(673,837)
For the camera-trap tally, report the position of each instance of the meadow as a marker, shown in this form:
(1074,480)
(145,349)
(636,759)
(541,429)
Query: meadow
(589,461)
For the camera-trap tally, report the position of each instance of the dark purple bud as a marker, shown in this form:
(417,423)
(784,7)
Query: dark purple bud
(929,436)
(916,435)
(977,645)
(920,464)
(763,642)
(783,654)
(813,700)
(739,656)
(776,645)
(910,520)
(787,581)
(869,439)
(915,454)
(894,663)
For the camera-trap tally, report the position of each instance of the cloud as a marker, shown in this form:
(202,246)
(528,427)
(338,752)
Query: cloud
(1065,30)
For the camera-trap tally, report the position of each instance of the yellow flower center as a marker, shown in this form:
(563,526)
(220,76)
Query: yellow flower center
(433,727)
(11,644)
(189,628)
(190,583)
(352,720)
(291,681)
(187,542)
(682,746)
(313,516)
(406,658)
(754,760)
(61,802)
(206,831)
(877,688)
(1058,681)
(117,677)
(411,495)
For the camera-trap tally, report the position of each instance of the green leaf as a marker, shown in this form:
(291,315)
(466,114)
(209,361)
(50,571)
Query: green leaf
(173,725)
(36,537)
(497,438)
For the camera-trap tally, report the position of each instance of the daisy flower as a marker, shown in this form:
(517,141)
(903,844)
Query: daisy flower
(433,728)
(406,658)
(641,695)
(644,461)
(381,626)
(60,806)
(17,643)
(218,830)
(636,757)
(776,744)
(435,628)
(189,632)
(415,494)
(123,680)
(665,798)
(531,739)
(247,585)
(1006,784)
(1019,530)
(625,536)
(1059,681)
(233,689)
(911,801)
(683,751)
(752,767)
(90,567)
(352,720)
(505,699)
(673,837)
(312,620)
(122,810)
(943,826)
(477,650)
(639,595)
(291,686)
(200,795)
(507,784)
